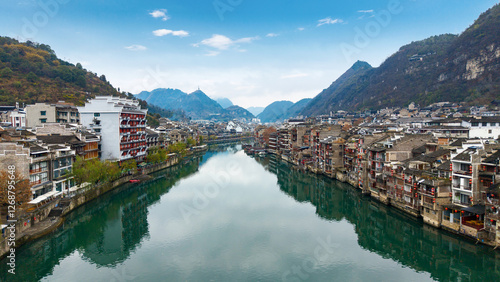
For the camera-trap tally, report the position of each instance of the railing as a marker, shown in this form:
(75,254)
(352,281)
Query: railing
(462,187)
(462,172)
(428,205)
(38,170)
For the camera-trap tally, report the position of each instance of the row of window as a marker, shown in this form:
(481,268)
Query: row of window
(475,124)
(73,114)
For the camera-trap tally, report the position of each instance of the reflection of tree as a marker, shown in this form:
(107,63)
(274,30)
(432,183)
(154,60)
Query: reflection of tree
(105,231)
(388,232)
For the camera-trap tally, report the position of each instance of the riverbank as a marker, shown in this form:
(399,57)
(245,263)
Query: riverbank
(45,219)
(464,232)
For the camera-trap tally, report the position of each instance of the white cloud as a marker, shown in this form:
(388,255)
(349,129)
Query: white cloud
(161,13)
(365,11)
(212,53)
(272,35)
(136,48)
(222,42)
(295,75)
(163,32)
(300,29)
(329,21)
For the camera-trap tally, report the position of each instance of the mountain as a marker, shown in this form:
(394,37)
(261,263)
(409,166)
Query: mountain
(238,112)
(296,108)
(31,72)
(196,105)
(224,102)
(282,110)
(255,110)
(456,68)
(275,111)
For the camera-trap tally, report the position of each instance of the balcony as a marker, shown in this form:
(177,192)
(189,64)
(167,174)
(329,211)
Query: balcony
(460,187)
(463,172)
(38,170)
(428,205)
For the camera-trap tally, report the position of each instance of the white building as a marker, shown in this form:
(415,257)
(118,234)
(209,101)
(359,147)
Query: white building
(484,127)
(121,123)
(18,118)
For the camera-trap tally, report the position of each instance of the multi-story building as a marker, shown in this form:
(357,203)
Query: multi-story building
(17,118)
(62,158)
(153,139)
(60,112)
(484,127)
(121,125)
(273,143)
(67,113)
(31,161)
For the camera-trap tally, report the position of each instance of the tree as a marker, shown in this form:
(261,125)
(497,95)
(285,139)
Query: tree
(177,148)
(32,77)
(191,142)
(112,169)
(14,189)
(94,171)
(6,72)
(129,165)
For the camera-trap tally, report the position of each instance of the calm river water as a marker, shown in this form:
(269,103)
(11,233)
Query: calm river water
(225,216)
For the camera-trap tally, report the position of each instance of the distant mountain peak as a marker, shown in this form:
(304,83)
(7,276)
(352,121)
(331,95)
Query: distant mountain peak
(224,102)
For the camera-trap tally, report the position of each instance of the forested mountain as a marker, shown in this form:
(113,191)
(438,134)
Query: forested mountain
(196,105)
(31,72)
(456,68)
(281,110)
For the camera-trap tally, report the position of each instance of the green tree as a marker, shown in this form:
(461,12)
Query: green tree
(191,142)
(177,148)
(32,77)
(6,73)
(129,165)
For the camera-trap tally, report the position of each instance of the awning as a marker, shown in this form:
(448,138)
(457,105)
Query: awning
(479,209)
(44,197)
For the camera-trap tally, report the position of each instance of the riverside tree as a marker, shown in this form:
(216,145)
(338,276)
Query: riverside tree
(14,182)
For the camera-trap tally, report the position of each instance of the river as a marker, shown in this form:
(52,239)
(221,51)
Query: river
(225,216)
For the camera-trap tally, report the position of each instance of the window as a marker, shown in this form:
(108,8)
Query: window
(43,113)
(43,120)
(97,114)
(493,124)
(98,130)
(490,131)
(485,124)
(475,124)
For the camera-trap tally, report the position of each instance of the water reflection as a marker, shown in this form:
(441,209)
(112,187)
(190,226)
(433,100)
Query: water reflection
(105,231)
(250,231)
(388,232)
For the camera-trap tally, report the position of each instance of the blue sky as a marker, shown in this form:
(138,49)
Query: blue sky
(253,52)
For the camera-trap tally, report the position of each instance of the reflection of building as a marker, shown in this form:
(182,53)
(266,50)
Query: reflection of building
(387,233)
(125,227)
